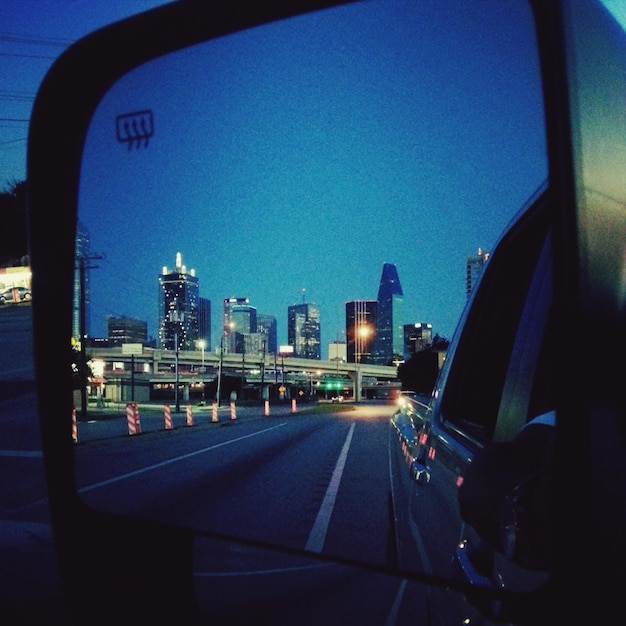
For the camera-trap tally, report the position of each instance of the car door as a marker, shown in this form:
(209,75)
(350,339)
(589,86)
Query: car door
(496,377)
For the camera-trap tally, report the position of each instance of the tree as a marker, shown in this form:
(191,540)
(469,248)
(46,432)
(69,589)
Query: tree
(420,372)
(440,343)
(13,225)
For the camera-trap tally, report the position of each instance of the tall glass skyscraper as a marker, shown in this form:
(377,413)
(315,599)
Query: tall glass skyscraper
(361,329)
(474,268)
(81,277)
(267,327)
(303,330)
(389,344)
(178,307)
(240,326)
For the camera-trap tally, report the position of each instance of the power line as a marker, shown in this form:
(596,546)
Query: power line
(33,41)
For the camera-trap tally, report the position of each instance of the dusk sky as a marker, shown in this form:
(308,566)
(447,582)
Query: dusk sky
(283,172)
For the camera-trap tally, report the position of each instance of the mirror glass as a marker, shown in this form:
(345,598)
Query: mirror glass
(244,205)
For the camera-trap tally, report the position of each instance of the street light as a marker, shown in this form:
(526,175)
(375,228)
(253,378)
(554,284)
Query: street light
(201,343)
(219,369)
(362,332)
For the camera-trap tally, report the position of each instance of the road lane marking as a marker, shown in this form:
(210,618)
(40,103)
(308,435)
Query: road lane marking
(395,609)
(149,468)
(317,537)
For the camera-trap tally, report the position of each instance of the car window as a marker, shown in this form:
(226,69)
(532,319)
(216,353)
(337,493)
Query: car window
(491,329)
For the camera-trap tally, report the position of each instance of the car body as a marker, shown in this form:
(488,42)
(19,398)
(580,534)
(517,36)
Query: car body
(15,294)
(555,276)
(406,398)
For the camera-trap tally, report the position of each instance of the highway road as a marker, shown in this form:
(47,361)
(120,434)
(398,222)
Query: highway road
(310,493)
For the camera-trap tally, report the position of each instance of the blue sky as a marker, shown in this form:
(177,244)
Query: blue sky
(296,178)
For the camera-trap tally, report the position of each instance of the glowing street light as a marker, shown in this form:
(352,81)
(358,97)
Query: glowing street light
(201,343)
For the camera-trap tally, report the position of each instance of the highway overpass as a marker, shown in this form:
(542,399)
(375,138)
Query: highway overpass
(134,372)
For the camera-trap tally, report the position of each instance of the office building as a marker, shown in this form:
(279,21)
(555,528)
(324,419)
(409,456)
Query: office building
(82,267)
(389,344)
(123,329)
(417,337)
(361,329)
(204,323)
(303,330)
(178,307)
(239,321)
(474,268)
(267,327)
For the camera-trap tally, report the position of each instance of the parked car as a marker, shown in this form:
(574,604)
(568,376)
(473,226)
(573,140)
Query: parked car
(508,492)
(15,294)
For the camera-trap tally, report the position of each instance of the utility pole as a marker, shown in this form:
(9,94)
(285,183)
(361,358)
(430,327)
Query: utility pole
(82,323)
(219,371)
(262,371)
(176,366)
(243,364)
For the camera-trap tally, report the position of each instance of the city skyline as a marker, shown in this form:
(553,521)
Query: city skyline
(304,170)
(309,164)
(389,286)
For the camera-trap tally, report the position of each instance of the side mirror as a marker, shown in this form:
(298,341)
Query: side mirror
(505,496)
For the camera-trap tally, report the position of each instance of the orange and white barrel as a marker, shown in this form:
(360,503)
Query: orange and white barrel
(74,425)
(167,416)
(130,419)
(137,421)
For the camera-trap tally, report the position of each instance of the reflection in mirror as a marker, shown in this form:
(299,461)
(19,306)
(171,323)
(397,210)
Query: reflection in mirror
(263,220)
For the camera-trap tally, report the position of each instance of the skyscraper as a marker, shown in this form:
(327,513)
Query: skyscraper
(240,326)
(417,337)
(474,268)
(303,330)
(361,329)
(178,307)
(81,275)
(123,329)
(389,344)
(267,327)
(204,322)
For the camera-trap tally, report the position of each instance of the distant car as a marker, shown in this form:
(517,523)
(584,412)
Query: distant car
(336,399)
(23,294)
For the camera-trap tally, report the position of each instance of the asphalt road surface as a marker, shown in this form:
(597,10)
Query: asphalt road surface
(309,492)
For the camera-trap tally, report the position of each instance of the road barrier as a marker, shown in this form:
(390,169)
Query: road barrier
(189,415)
(214,412)
(267,407)
(74,425)
(167,415)
(132,418)
(233,411)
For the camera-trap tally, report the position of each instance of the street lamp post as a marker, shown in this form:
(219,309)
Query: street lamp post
(202,344)
(219,371)
(362,332)
(176,367)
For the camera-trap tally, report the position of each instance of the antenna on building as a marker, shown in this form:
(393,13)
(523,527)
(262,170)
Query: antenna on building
(303,296)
